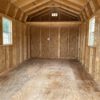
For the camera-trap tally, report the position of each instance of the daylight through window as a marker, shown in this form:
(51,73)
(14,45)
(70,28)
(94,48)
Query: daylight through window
(91,31)
(7,31)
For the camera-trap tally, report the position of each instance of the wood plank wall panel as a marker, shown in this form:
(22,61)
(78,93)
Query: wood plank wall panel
(87,54)
(9,56)
(2,59)
(13,55)
(97,43)
(64,41)
(28,41)
(69,35)
(45,33)
(25,42)
(91,61)
(56,41)
(84,49)
(35,40)
(1,30)
(14,25)
(53,51)
(73,41)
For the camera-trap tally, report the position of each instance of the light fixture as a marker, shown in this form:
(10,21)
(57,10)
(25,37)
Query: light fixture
(54,14)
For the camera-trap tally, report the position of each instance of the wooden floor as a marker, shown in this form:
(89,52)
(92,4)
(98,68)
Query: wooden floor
(45,79)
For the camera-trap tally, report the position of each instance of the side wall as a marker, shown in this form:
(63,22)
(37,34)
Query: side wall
(54,40)
(12,55)
(90,56)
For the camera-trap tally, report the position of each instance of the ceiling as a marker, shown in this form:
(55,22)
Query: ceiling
(37,10)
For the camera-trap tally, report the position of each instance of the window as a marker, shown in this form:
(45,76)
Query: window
(91,31)
(54,14)
(7,31)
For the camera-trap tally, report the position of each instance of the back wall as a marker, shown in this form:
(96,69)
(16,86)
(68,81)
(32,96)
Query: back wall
(54,40)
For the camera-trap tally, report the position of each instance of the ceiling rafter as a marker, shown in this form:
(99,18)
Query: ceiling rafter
(22,3)
(40,12)
(77,8)
(90,8)
(36,10)
(66,11)
(95,4)
(72,3)
(59,9)
(43,15)
(69,4)
(8,7)
(67,14)
(48,10)
(79,2)
(32,6)
(67,7)
(49,5)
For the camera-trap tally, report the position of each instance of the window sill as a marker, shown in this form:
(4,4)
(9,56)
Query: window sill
(6,45)
(91,46)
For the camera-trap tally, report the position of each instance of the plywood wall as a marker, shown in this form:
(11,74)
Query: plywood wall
(54,40)
(12,55)
(90,56)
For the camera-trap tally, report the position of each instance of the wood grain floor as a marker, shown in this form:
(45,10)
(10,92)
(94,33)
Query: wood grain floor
(45,79)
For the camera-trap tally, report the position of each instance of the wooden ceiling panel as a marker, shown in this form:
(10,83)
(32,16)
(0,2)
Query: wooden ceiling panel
(87,12)
(61,17)
(69,4)
(21,3)
(57,4)
(79,2)
(67,7)
(27,5)
(98,1)
(30,8)
(45,10)
(48,10)
(18,14)
(68,12)
(92,6)
(90,10)
(41,2)
(11,10)
(34,5)
(4,5)
(95,2)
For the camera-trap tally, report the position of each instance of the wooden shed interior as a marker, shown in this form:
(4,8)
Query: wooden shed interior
(49,49)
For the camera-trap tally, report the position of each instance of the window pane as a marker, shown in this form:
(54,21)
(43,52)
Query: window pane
(7,31)
(6,25)
(91,39)
(92,25)
(91,31)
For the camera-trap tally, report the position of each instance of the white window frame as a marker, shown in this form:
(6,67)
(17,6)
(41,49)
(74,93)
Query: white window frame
(7,41)
(91,32)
